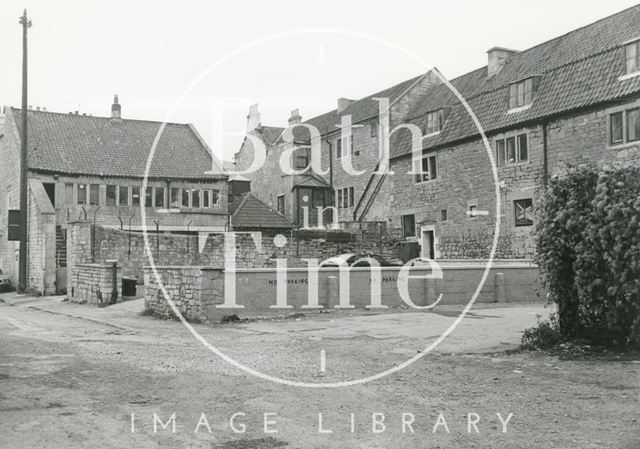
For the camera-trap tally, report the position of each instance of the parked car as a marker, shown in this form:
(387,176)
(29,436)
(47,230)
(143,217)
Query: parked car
(357,260)
(5,282)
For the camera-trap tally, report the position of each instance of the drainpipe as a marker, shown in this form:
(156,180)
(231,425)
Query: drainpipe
(545,155)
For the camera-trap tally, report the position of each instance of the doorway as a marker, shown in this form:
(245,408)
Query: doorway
(427,243)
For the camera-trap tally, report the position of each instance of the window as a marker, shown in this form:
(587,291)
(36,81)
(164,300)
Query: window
(633,125)
(111,195)
(512,149)
(215,198)
(148,197)
(408,226)
(195,198)
(351,146)
(68,194)
(339,148)
(135,196)
(632,57)
(206,199)
(186,193)
(123,196)
(435,121)
(346,197)
(374,128)
(94,194)
(82,194)
(521,93)
(624,126)
(302,158)
(281,204)
(523,212)
(616,128)
(472,210)
(175,197)
(428,169)
(443,214)
(159,196)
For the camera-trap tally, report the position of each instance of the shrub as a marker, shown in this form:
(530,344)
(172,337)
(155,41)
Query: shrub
(546,335)
(588,251)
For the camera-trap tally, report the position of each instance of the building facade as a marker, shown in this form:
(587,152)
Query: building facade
(92,168)
(485,160)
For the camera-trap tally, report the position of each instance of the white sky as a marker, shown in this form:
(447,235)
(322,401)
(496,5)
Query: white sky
(83,52)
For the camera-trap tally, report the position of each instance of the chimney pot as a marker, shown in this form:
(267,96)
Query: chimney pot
(497,59)
(295,118)
(116,109)
(343,103)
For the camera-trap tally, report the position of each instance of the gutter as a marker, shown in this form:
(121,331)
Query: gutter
(545,154)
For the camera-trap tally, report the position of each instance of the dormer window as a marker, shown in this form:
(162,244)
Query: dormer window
(632,57)
(521,93)
(435,122)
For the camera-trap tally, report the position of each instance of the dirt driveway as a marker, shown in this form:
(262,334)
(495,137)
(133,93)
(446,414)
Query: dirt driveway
(76,376)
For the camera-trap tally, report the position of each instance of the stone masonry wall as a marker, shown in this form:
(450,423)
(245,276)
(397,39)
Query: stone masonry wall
(93,284)
(171,249)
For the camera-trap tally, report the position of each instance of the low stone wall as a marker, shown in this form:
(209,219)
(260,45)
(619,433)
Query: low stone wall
(199,291)
(94,284)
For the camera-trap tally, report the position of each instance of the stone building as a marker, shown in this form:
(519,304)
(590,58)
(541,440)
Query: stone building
(82,167)
(573,99)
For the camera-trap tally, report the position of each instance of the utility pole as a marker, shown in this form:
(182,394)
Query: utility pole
(22,279)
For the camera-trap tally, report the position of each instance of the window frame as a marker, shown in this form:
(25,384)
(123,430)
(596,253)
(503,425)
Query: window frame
(622,113)
(339,148)
(82,188)
(528,220)
(158,192)
(501,148)
(635,68)
(434,122)
(404,226)
(94,189)
(635,110)
(280,204)
(522,93)
(136,202)
(114,188)
(127,200)
(428,162)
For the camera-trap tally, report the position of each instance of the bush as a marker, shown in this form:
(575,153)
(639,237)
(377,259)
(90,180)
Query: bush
(588,251)
(546,335)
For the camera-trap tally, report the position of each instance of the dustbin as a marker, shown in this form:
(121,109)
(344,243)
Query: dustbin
(129,286)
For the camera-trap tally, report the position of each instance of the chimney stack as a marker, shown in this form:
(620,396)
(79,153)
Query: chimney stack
(295,118)
(115,108)
(497,59)
(253,119)
(343,103)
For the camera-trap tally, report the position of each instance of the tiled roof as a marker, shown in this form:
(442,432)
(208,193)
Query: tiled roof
(248,212)
(270,134)
(80,144)
(579,69)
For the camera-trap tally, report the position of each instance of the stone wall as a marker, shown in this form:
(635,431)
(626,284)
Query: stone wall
(94,284)
(41,234)
(207,249)
(198,291)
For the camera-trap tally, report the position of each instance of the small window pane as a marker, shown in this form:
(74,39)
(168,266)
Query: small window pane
(523,147)
(123,196)
(520,94)
(443,214)
(351,197)
(82,194)
(148,197)
(135,196)
(523,212)
(511,149)
(159,194)
(433,171)
(281,204)
(616,127)
(215,198)
(68,194)
(374,128)
(175,197)
(632,57)
(195,198)
(111,196)
(340,198)
(633,125)
(513,96)
(185,197)
(94,194)
(500,152)
(206,198)
(339,148)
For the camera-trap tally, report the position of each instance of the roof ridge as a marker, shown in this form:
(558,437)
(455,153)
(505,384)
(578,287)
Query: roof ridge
(69,114)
